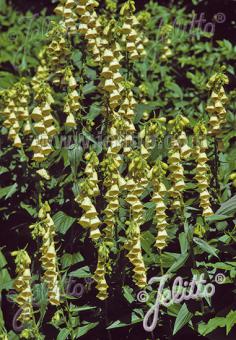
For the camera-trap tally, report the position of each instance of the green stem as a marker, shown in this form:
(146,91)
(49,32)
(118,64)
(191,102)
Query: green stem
(161,264)
(216,166)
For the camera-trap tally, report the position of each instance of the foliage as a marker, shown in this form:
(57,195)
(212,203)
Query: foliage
(169,86)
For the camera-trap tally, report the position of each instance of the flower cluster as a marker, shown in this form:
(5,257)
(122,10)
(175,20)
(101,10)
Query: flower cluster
(202,168)
(111,79)
(176,174)
(166,41)
(125,125)
(153,132)
(113,183)
(100,273)
(16,112)
(132,38)
(22,285)
(216,105)
(44,123)
(57,52)
(176,154)
(72,105)
(135,185)
(90,26)
(49,257)
(157,174)
(67,10)
(89,190)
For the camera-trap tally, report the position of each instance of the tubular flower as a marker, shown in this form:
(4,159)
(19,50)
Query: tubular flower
(135,185)
(126,115)
(142,99)
(185,150)
(100,273)
(134,255)
(232,178)
(67,10)
(44,123)
(202,169)
(166,41)
(72,105)
(111,5)
(88,191)
(49,257)
(4,336)
(217,101)
(177,152)
(90,26)
(16,101)
(153,131)
(157,174)
(106,51)
(22,285)
(44,126)
(111,79)
(132,37)
(176,174)
(114,184)
(57,53)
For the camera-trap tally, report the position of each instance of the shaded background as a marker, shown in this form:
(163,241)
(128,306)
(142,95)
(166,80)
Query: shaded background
(225,30)
(210,8)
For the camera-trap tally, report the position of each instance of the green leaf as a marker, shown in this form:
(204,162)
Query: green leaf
(215,218)
(147,240)
(76,57)
(149,213)
(82,330)
(89,137)
(230,321)
(89,88)
(7,79)
(205,246)
(177,91)
(140,109)
(94,111)
(63,335)
(3,170)
(3,261)
(127,292)
(40,294)
(184,245)
(8,192)
(63,222)
(13,336)
(5,279)
(182,258)
(81,308)
(81,272)
(183,317)
(117,324)
(212,324)
(227,208)
(68,260)
(221,265)
(75,154)
(32,211)
(3,6)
